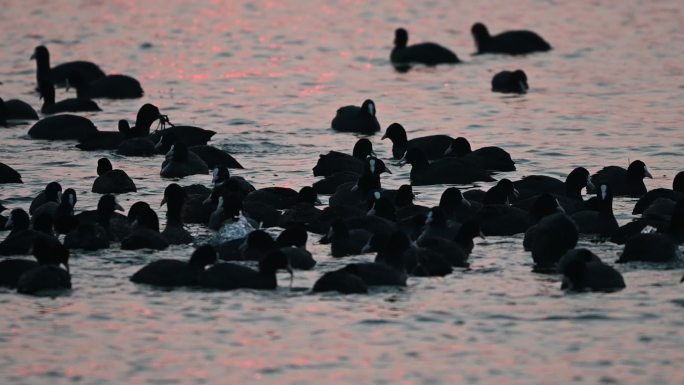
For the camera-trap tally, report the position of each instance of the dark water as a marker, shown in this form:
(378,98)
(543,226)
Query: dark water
(268,76)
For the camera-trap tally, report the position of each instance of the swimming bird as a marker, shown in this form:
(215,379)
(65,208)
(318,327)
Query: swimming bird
(110,181)
(601,222)
(62,127)
(173,272)
(211,155)
(430,54)
(48,275)
(550,239)
(21,237)
(58,74)
(335,161)
(97,235)
(623,182)
(491,158)
(15,109)
(145,233)
(514,82)
(675,194)
(179,163)
(174,198)
(64,219)
(109,140)
(344,241)
(509,42)
(47,92)
(584,271)
(341,281)
(433,146)
(304,211)
(231,276)
(361,120)
(51,193)
(391,271)
(109,86)
(9,175)
(442,171)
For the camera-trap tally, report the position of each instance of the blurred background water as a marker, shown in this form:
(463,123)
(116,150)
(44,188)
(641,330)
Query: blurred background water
(268,77)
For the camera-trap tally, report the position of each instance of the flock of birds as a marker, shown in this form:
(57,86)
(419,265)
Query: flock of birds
(361,217)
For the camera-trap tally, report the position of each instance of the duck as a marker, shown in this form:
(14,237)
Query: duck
(47,92)
(533,185)
(430,54)
(96,235)
(174,199)
(63,127)
(304,211)
(584,271)
(673,225)
(176,273)
(456,249)
(109,86)
(51,194)
(675,194)
(341,281)
(650,247)
(491,158)
(107,140)
(231,276)
(21,237)
(15,109)
(9,175)
(145,231)
(345,241)
(48,275)
(550,239)
(58,75)
(356,119)
(601,222)
(11,269)
(433,146)
(390,272)
(418,261)
(110,181)
(623,182)
(292,242)
(510,82)
(211,155)
(64,219)
(179,164)
(403,202)
(456,207)
(443,171)
(335,161)
(509,42)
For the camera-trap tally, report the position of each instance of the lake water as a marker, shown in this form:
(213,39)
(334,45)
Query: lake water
(268,77)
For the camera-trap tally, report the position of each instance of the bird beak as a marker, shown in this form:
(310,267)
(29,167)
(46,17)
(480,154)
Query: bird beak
(384,136)
(118,207)
(366,248)
(33,56)
(647,173)
(163,202)
(387,170)
(589,184)
(449,150)
(481,235)
(9,224)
